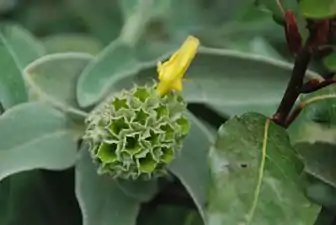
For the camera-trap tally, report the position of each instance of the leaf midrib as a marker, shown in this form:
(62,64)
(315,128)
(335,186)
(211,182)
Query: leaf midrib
(41,138)
(260,174)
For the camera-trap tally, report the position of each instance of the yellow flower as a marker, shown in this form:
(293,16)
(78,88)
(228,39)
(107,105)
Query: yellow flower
(171,72)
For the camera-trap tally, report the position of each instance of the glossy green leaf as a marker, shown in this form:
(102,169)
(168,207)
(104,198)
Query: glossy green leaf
(330,61)
(33,135)
(191,165)
(100,197)
(318,9)
(255,174)
(31,200)
(139,189)
(115,62)
(53,78)
(23,46)
(72,43)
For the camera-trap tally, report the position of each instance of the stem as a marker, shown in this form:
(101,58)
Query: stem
(294,86)
(312,86)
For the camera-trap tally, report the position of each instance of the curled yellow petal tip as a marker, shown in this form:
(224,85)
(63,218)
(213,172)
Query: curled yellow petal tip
(171,72)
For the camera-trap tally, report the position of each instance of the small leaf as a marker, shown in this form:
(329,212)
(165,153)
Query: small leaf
(191,165)
(255,175)
(115,62)
(33,135)
(100,197)
(330,61)
(72,43)
(139,189)
(318,10)
(54,78)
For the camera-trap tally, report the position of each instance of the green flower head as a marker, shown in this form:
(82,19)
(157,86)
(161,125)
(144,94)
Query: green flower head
(137,133)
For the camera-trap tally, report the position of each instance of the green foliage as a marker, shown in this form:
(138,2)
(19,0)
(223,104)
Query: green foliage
(252,174)
(100,198)
(66,61)
(42,134)
(318,10)
(53,77)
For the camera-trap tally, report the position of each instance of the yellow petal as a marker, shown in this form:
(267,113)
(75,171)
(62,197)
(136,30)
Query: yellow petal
(177,85)
(171,72)
(163,88)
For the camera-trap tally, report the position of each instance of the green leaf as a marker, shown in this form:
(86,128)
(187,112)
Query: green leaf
(318,9)
(191,165)
(33,135)
(226,78)
(32,201)
(115,62)
(100,197)
(72,43)
(141,190)
(316,121)
(18,47)
(255,175)
(12,89)
(319,159)
(53,78)
(330,61)
(23,46)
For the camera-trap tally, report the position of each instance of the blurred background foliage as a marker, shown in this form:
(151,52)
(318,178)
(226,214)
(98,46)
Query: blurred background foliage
(223,24)
(89,26)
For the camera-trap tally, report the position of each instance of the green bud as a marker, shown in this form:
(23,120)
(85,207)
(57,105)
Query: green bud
(137,133)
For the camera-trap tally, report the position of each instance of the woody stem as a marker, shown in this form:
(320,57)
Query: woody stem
(294,86)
